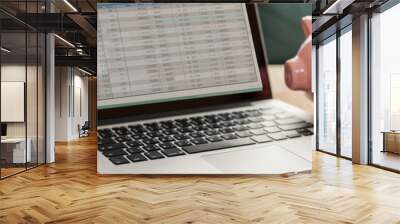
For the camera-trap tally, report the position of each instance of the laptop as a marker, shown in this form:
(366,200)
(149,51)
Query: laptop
(183,89)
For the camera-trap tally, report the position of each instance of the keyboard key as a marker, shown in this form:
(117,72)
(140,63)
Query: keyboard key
(150,148)
(278,136)
(292,134)
(183,143)
(166,139)
(240,114)
(167,145)
(255,126)
(243,121)
(137,128)
(218,145)
(211,119)
(123,139)
(171,132)
(154,155)
(173,152)
(200,128)
(211,132)
(199,141)
(115,152)
(240,128)
(184,122)
(107,135)
(197,121)
(133,144)
(305,132)
(155,134)
(261,138)
(258,132)
(215,126)
(288,127)
(149,141)
(185,130)
(244,134)
(253,113)
(138,136)
(197,135)
(272,129)
(168,124)
(136,157)
(153,126)
(118,160)
(226,130)
(256,119)
(181,137)
(134,150)
(122,132)
(119,128)
(228,123)
(111,147)
(214,138)
(289,121)
(229,136)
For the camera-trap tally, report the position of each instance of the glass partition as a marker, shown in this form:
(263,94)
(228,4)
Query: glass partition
(13,110)
(385,89)
(346,93)
(41,98)
(22,77)
(326,95)
(31,97)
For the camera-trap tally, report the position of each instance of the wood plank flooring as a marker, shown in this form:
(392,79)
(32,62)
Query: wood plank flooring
(70,191)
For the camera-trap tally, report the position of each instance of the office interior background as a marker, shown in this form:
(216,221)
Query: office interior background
(357,82)
(48,82)
(48,70)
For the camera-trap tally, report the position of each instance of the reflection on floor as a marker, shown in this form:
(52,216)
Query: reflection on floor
(11,169)
(387,159)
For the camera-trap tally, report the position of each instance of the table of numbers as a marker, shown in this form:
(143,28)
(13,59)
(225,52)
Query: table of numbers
(157,48)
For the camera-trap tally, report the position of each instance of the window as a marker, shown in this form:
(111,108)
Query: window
(346,75)
(385,89)
(327,96)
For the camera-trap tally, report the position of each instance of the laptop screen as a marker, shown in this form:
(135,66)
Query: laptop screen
(152,53)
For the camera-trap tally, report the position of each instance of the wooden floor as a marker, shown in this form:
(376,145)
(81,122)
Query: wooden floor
(70,191)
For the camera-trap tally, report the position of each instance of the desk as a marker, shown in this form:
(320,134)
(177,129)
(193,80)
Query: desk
(391,141)
(13,150)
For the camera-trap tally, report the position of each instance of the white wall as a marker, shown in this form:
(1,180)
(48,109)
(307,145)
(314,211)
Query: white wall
(62,81)
(68,81)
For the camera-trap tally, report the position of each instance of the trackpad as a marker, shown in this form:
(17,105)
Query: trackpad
(271,159)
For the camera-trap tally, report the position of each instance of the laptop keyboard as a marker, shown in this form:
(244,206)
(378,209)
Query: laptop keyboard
(179,137)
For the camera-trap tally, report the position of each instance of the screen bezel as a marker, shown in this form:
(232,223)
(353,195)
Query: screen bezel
(129,111)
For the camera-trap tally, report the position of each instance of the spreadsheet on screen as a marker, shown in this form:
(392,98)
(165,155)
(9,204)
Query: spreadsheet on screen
(150,53)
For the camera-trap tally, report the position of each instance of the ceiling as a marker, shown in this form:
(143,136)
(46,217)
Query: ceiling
(332,15)
(74,21)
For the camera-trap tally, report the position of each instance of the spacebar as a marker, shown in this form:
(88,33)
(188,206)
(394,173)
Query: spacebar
(218,145)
